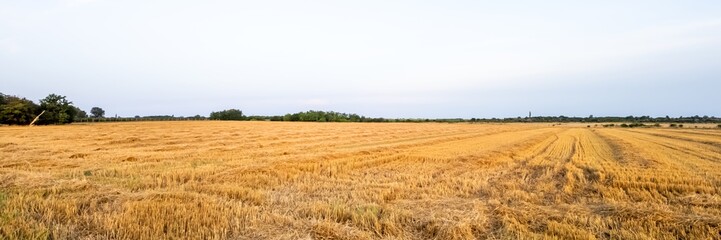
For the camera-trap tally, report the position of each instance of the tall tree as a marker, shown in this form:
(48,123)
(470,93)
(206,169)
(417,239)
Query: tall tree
(58,110)
(2,99)
(16,111)
(97,112)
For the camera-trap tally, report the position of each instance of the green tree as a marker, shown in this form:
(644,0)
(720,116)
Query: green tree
(58,110)
(97,112)
(230,114)
(80,114)
(16,111)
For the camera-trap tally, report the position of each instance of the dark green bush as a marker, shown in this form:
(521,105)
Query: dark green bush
(230,114)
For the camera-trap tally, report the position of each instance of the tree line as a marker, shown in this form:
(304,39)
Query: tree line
(53,109)
(307,116)
(322,116)
(592,119)
(57,109)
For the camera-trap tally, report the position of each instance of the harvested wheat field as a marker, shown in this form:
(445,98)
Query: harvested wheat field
(268,180)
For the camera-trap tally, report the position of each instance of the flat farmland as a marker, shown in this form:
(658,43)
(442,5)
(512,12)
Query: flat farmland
(282,180)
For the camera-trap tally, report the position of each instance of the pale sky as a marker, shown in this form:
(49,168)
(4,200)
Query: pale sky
(426,59)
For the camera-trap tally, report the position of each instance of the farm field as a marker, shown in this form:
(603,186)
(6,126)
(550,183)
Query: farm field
(283,180)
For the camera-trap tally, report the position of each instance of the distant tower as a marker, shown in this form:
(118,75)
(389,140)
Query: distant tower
(529,114)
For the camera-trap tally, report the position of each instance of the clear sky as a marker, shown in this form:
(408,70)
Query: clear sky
(429,59)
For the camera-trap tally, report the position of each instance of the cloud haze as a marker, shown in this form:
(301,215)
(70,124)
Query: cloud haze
(376,58)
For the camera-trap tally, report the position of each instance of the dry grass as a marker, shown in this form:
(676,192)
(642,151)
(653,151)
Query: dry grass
(220,180)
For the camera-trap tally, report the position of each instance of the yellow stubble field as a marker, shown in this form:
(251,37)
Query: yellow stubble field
(282,180)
